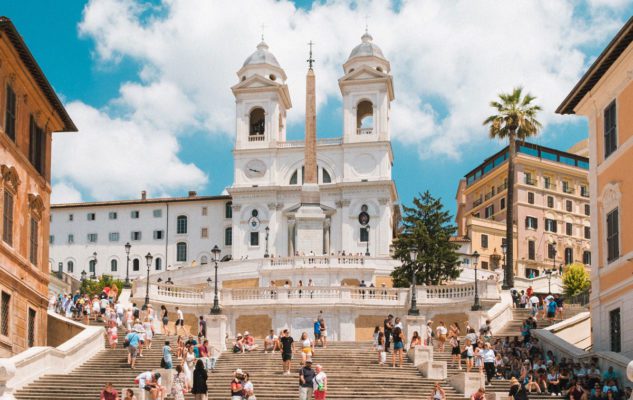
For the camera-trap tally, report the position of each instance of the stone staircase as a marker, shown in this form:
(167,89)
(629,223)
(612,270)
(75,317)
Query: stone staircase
(511,329)
(352,368)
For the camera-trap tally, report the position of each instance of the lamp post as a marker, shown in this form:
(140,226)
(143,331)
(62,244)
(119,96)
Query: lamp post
(216,302)
(148,259)
(413,256)
(548,272)
(266,255)
(60,267)
(94,271)
(367,250)
(476,306)
(128,246)
(554,255)
(504,249)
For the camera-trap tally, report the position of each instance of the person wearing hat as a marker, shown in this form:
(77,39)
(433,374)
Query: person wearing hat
(132,340)
(306,380)
(236,385)
(151,383)
(249,342)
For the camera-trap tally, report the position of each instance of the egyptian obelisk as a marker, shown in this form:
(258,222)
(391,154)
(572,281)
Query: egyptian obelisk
(310,216)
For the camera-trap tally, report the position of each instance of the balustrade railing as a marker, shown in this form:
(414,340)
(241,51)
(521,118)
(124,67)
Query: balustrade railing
(300,261)
(256,138)
(364,131)
(313,294)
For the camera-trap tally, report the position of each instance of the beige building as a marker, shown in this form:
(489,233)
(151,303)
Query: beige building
(30,112)
(551,208)
(605,96)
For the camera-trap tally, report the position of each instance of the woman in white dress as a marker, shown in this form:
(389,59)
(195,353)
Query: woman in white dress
(149,332)
(189,363)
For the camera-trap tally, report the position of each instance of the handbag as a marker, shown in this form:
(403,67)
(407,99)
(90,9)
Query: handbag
(163,364)
(126,343)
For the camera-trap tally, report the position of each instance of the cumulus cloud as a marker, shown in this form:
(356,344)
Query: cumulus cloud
(448,60)
(64,192)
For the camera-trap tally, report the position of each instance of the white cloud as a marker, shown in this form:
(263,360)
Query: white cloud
(114,157)
(64,192)
(449,59)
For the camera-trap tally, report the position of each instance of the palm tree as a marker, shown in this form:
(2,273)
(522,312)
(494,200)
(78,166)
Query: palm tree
(515,119)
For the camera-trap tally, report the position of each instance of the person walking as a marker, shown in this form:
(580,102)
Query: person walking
(167,361)
(380,348)
(189,363)
(320,383)
(387,329)
(180,321)
(398,346)
(287,348)
(179,384)
(237,389)
(199,387)
(132,339)
(441,333)
(456,356)
(202,327)
(488,356)
(165,319)
(306,381)
(248,391)
(307,348)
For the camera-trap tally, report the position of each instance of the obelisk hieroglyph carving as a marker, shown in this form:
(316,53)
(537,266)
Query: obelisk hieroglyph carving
(310,216)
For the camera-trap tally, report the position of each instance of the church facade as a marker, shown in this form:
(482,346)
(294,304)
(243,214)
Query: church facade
(289,198)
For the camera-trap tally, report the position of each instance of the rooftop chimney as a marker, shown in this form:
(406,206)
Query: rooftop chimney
(144,195)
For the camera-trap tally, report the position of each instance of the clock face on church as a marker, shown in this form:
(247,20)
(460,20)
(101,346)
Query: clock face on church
(255,169)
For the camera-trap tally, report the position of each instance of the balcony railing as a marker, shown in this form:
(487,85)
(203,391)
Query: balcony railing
(584,193)
(503,186)
(364,131)
(568,190)
(477,202)
(530,181)
(256,138)
(550,186)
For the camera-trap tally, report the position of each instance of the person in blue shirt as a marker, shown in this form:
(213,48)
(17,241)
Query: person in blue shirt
(552,307)
(317,331)
(132,340)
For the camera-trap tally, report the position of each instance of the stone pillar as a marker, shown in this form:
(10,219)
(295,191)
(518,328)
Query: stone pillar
(291,237)
(414,323)
(216,330)
(326,228)
(7,372)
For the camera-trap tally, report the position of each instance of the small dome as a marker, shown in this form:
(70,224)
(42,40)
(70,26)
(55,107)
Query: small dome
(262,56)
(366,48)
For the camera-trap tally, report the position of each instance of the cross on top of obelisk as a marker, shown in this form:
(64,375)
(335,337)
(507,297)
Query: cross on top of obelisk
(310,59)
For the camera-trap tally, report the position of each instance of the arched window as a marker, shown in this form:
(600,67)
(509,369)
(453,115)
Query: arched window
(228,236)
(257,122)
(228,210)
(326,176)
(136,265)
(92,266)
(158,263)
(294,178)
(181,224)
(569,255)
(586,257)
(365,118)
(71,267)
(113,265)
(204,260)
(181,252)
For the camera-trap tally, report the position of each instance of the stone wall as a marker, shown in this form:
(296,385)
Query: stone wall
(242,283)
(257,325)
(365,325)
(60,330)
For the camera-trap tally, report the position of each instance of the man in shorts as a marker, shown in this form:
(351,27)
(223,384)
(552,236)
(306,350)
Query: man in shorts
(317,331)
(151,383)
(180,320)
(271,342)
(287,348)
(133,339)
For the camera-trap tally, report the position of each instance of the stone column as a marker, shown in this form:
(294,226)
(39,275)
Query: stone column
(414,323)
(291,237)
(326,227)
(310,173)
(7,372)
(216,330)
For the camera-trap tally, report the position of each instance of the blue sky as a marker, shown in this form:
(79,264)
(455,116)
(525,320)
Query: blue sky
(119,64)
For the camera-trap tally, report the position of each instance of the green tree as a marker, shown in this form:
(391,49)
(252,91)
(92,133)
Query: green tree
(426,227)
(95,287)
(575,280)
(515,120)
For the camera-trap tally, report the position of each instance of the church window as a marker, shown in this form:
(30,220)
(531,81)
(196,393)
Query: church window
(254,238)
(364,234)
(228,236)
(158,264)
(136,265)
(257,122)
(204,260)
(365,118)
(294,178)
(228,210)
(272,77)
(254,213)
(379,69)
(181,251)
(326,177)
(181,224)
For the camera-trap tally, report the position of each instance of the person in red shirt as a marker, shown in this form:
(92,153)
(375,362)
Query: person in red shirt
(109,393)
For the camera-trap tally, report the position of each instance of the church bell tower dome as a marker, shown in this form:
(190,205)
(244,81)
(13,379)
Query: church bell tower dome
(366,53)
(262,63)
(262,56)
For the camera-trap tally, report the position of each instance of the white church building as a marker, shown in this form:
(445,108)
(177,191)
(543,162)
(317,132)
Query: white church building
(261,216)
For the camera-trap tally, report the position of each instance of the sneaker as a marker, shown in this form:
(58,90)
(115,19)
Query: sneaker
(553,394)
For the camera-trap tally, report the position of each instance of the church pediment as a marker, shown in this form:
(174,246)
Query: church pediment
(256,81)
(362,73)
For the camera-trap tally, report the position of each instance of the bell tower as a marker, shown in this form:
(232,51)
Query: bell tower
(367,90)
(262,100)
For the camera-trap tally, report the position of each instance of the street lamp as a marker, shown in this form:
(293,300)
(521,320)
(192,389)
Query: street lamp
(94,271)
(60,268)
(367,251)
(504,249)
(476,306)
(548,272)
(148,259)
(216,303)
(209,280)
(554,255)
(266,255)
(413,257)
(128,246)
